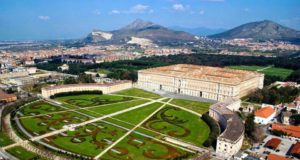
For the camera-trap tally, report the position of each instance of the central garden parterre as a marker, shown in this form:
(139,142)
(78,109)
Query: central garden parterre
(146,142)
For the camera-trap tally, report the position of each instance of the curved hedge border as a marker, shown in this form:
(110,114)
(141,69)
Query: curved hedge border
(13,107)
(75,93)
(214,130)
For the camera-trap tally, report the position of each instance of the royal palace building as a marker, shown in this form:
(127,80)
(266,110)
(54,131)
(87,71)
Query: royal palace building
(202,81)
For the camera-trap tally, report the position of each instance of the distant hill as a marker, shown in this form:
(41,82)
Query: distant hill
(199,31)
(262,30)
(140,29)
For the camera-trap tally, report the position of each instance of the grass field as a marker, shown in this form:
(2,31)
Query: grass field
(179,124)
(138,147)
(199,107)
(139,93)
(22,154)
(39,107)
(91,139)
(4,140)
(92,100)
(267,70)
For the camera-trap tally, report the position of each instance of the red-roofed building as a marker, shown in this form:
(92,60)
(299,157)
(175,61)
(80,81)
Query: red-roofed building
(276,157)
(264,115)
(290,130)
(273,143)
(296,150)
(7,97)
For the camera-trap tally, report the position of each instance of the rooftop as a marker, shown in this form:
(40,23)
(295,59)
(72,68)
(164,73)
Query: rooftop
(296,149)
(289,129)
(206,73)
(4,95)
(235,127)
(273,143)
(276,157)
(265,112)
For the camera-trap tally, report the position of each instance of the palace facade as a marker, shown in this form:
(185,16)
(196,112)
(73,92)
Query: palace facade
(201,81)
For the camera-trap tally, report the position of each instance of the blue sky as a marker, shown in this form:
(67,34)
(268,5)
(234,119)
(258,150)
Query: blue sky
(63,19)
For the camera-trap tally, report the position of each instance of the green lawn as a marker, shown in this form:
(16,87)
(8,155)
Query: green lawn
(107,109)
(199,107)
(92,100)
(179,124)
(22,154)
(137,115)
(138,147)
(5,140)
(139,93)
(41,124)
(271,71)
(39,107)
(93,139)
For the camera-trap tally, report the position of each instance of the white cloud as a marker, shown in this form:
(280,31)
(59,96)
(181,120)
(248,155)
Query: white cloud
(96,12)
(136,9)
(180,7)
(139,8)
(44,18)
(115,12)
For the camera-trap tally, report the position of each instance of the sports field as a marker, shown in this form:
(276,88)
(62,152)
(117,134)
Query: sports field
(131,124)
(267,70)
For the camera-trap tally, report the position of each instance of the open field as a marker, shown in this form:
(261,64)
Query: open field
(91,139)
(267,70)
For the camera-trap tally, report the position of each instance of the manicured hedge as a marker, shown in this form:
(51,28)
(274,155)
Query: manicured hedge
(14,106)
(75,93)
(214,130)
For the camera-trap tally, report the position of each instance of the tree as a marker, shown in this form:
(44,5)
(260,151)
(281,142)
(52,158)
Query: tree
(85,78)
(295,76)
(295,119)
(249,125)
(252,130)
(70,80)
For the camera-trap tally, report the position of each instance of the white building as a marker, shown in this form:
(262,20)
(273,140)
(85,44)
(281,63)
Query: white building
(285,117)
(201,81)
(105,88)
(264,115)
(231,138)
(31,70)
(64,67)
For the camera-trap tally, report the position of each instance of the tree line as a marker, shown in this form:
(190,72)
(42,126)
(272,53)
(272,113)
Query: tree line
(127,69)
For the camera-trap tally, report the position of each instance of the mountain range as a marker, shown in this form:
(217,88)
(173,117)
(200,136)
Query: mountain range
(150,33)
(261,30)
(199,31)
(143,30)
